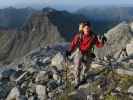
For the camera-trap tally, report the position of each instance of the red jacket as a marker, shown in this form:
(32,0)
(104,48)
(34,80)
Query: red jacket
(86,43)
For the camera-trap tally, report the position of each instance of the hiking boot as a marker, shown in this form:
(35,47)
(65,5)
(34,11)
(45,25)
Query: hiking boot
(76,86)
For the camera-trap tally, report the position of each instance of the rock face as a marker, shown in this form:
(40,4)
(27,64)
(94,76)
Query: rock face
(14,18)
(131,26)
(130,90)
(130,47)
(43,76)
(63,22)
(38,81)
(14,94)
(41,92)
(118,38)
(58,60)
(42,28)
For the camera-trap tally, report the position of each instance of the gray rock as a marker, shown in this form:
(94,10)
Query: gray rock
(41,92)
(22,98)
(129,48)
(32,98)
(124,71)
(42,77)
(14,94)
(58,61)
(130,90)
(118,38)
(82,94)
(6,74)
(46,60)
(32,69)
(57,77)
(5,88)
(21,78)
(52,84)
(42,61)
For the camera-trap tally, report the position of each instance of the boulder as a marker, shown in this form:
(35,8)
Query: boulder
(129,48)
(8,73)
(52,84)
(32,98)
(131,26)
(5,88)
(97,66)
(14,94)
(41,91)
(118,37)
(82,94)
(130,90)
(22,98)
(42,77)
(124,71)
(58,61)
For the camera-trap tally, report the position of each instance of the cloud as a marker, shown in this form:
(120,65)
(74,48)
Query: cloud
(48,1)
(33,2)
(41,1)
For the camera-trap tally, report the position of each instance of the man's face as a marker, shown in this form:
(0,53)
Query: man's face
(86,29)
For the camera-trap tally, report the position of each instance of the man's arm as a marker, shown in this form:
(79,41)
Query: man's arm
(74,43)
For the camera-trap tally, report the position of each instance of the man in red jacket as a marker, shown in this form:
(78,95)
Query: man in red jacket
(81,49)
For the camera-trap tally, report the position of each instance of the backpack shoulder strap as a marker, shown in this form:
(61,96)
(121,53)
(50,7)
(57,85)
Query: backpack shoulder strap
(93,46)
(80,39)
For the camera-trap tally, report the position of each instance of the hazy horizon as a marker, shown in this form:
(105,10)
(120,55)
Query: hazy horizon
(62,4)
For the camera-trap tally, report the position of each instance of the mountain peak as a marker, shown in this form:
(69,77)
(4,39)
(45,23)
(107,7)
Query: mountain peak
(49,9)
(10,8)
(65,22)
(38,31)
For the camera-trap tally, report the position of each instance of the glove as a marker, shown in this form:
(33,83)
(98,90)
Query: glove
(104,39)
(68,53)
(92,55)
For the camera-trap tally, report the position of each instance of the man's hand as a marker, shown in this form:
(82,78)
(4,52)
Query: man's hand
(102,39)
(68,53)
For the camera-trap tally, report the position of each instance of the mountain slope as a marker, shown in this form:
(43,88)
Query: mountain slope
(104,18)
(66,22)
(14,18)
(118,38)
(45,27)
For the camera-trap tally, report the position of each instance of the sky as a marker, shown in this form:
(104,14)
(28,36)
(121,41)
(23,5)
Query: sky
(61,3)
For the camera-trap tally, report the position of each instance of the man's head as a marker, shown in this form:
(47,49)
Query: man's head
(87,28)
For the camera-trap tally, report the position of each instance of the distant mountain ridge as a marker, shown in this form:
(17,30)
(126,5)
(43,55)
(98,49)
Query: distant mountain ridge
(66,23)
(104,18)
(14,18)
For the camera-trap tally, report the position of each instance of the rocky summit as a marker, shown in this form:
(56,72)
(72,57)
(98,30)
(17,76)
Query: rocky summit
(118,37)
(46,74)
(34,66)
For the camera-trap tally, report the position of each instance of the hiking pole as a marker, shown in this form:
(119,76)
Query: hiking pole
(66,65)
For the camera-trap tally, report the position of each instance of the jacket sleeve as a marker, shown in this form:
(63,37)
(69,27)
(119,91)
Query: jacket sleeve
(99,44)
(74,43)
